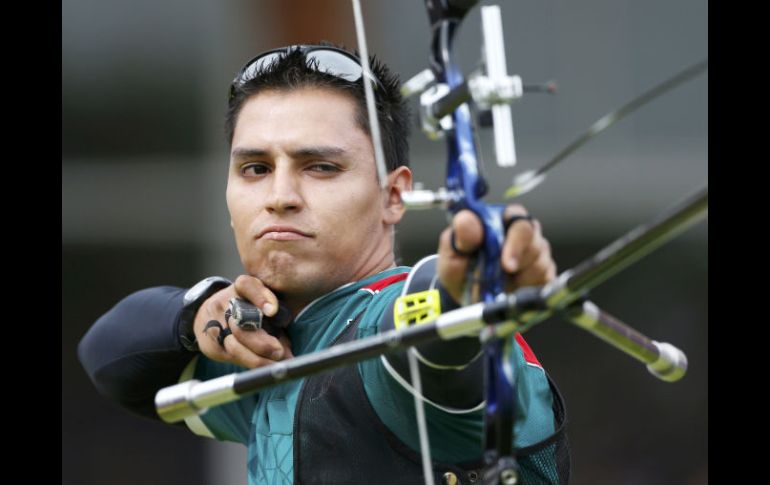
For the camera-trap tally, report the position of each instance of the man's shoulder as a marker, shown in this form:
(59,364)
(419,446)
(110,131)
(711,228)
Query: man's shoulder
(382,292)
(386,281)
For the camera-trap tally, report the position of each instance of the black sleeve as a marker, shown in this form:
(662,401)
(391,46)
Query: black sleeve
(451,371)
(133,350)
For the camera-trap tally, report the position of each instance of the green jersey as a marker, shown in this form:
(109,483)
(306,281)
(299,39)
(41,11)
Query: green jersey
(267,422)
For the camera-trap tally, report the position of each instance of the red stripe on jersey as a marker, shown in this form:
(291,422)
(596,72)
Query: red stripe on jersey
(529,356)
(380,284)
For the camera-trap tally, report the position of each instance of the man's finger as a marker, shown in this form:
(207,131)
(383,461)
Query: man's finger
(523,257)
(539,272)
(520,236)
(260,342)
(453,264)
(244,356)
(208,342)
(253,290)
(467,232)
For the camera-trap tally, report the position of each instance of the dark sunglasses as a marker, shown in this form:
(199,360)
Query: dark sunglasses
(330,60)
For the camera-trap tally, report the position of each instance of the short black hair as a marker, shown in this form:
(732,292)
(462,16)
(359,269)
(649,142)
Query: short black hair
(294,70)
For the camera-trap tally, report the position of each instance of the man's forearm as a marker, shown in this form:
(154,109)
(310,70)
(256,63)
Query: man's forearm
(134,349)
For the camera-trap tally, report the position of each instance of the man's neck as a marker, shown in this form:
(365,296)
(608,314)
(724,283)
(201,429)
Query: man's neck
(296,303)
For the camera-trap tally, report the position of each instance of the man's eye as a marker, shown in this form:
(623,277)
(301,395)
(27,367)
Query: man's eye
(254,169)
(324,168)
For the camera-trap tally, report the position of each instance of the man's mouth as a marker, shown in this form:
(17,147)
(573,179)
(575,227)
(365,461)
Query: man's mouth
(283,233)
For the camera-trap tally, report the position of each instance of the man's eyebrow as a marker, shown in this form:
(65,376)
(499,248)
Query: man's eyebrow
(318,152)
(249,153)
(304,152)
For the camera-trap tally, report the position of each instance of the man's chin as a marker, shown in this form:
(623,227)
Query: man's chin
(278,271)
(296,286)
(287,281)
(283,282)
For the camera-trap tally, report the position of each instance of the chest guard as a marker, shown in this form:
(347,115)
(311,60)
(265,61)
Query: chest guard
(339,439)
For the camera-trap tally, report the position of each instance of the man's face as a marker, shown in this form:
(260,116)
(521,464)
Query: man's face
(306,208)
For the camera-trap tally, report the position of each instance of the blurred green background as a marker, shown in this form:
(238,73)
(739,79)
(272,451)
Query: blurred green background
(144,169)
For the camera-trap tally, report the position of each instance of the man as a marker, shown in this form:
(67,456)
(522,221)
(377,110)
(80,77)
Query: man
(315,235)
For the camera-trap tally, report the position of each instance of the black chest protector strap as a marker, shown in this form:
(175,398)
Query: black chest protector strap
(339,439)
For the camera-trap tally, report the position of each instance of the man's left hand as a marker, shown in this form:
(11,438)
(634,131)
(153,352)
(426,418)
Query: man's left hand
(526,255)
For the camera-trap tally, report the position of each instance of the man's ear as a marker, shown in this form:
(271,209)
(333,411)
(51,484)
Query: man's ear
(399,181)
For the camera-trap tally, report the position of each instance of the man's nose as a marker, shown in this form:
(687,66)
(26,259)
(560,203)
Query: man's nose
(284,191)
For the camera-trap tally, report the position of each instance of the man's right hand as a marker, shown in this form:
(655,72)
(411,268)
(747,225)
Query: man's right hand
(247,348)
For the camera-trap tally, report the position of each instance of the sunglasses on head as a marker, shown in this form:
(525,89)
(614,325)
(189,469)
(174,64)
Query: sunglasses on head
(329,60)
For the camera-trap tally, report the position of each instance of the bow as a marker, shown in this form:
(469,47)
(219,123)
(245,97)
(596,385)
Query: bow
(446,113)
(446,100)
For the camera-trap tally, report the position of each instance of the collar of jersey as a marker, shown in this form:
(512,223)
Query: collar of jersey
(329,300)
